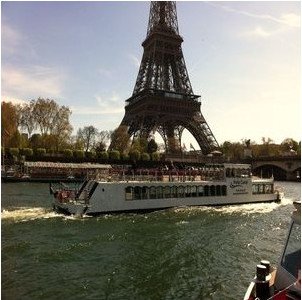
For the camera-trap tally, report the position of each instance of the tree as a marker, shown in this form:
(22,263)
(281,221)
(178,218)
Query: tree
(103,155)
(155,156)
(9,122)
(134,155)
(139,144)
(120,139)
(36,141)
(61,128)
(40,152)
(44,112)
(27,120)
(103,138)
(114,155)
(67,153)
(232,151)
(145,156)
(88,136)
(152,146)
(268,148)
(289,144)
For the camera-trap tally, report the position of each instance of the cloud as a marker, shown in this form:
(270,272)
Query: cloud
(134,60)
(31,82)
(104,72)
(289,19)
(258,32)
(15,43)
(107,105)
(11,39)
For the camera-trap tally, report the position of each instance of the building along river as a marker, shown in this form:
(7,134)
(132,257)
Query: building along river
(181,253)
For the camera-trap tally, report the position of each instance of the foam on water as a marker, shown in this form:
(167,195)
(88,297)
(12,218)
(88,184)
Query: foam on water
(24,214)
(252,208)
(243,209)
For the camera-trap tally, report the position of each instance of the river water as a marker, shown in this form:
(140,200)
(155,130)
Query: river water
(185,253)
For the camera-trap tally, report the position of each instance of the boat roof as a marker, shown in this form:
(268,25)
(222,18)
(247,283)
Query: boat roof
(238,166)
(43,164)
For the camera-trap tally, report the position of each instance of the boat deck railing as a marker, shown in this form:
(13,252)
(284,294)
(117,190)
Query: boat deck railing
(159,178)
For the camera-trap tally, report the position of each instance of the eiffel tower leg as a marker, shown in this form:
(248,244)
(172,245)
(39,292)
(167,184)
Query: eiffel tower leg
(203,135)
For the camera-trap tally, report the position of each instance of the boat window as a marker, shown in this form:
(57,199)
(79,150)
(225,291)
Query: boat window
(193,191)
(206,190)
(224,190)
(137,193)
(180,191)
(188,191)
(200,191)
(218,190)
(268,188)
(129,192)
(260,189)
(212,190)
(159,191)
(291,260)
(173,192)
(145,192)
(255,189)
(228,172)
(152,192)
(167,192)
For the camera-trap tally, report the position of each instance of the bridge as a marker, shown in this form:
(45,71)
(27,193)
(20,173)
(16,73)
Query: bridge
(281,167)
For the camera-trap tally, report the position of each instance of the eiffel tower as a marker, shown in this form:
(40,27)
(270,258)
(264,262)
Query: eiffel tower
(163,100)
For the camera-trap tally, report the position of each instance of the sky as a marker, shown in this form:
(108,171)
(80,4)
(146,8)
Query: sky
(243,58)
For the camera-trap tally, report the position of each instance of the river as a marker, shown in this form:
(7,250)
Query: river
(184,253)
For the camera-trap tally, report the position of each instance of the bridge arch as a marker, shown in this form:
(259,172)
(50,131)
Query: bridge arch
(269,170)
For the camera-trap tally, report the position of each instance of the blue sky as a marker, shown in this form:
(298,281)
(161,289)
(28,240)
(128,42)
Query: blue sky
(243,58)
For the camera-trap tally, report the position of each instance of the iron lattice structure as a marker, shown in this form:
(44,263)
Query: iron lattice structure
(163,99)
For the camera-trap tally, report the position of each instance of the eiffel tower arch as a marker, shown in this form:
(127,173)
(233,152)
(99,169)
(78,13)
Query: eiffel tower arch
(163,100)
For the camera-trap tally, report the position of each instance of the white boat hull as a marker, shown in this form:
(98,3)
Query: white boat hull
(110,197)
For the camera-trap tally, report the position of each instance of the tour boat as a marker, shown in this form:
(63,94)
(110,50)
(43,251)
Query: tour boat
(283,282)
(153,190)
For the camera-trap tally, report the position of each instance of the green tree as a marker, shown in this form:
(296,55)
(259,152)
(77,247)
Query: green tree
(120,139)
(134,155)
(145,156)
(27,152)
(91,154)
(232,151)
(40,152)
(36,141)
(155,156)
(152,146)
(67,153)
(78,154)
(103,155)
(114,154)
(14,151)
(289,144)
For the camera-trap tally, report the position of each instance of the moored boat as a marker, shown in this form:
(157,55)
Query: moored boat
(152,190)
(284,281)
